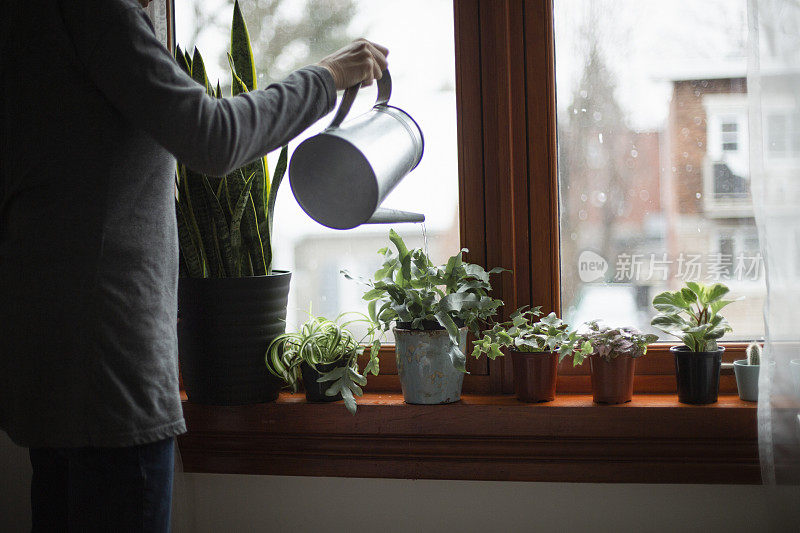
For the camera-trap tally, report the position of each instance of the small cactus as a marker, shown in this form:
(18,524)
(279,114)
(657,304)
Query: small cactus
(753,353)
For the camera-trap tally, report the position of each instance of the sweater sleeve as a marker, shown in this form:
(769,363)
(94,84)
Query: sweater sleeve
(145,84)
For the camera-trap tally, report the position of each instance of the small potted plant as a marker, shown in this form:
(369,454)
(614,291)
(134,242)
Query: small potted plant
(613,360)
(746,371)
(324,354)
(536,347)
(692,315)
(431,309)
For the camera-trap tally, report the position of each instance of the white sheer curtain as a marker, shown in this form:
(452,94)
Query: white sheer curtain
(773,84)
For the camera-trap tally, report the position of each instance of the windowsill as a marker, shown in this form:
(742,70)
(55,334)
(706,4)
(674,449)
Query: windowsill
(653,439)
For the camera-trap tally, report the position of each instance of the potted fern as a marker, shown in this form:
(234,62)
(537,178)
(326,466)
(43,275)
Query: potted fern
(536,346)
(692,315)
(324,355)
(747,371)
(231,303)
(431,309)
(613,360)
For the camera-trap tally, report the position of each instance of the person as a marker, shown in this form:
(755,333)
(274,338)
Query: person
(94,112)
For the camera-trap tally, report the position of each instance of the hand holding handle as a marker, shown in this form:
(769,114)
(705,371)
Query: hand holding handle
(384,92)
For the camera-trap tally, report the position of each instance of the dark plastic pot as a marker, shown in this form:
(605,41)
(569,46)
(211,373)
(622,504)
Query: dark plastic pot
(224,329)
(697,374)
(315,391)
(612,380)
(535,376)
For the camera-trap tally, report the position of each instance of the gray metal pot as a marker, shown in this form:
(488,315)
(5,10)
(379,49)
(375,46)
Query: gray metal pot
(427,374)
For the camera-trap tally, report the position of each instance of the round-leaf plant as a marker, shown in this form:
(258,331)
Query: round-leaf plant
(610,343)
(321,342)
(692,315)
(410,291)
(526,332)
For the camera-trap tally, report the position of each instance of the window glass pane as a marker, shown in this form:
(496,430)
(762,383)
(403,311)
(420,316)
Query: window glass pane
(293,33)
(776,134)
(654,172)
(794,132)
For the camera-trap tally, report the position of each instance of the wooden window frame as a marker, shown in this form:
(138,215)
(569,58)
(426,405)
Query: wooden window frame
(508,197)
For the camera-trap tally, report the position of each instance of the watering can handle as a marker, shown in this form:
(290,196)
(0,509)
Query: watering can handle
(384,92)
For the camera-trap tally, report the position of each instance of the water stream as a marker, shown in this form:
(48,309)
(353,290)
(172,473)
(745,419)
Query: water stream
(425,240)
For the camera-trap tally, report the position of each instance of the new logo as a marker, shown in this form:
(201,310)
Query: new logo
(591,266)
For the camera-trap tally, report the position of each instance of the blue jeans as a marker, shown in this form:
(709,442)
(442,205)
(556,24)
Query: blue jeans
(102,489)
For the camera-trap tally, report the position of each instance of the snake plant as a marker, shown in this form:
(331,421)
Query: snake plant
(225,222)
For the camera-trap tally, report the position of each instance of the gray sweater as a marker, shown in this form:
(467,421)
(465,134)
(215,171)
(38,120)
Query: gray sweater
(93,110)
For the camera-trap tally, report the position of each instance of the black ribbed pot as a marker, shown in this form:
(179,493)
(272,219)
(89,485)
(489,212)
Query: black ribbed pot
(315,391)
(224,328)
(697,374)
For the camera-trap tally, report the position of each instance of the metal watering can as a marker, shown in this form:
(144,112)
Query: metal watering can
(340,176)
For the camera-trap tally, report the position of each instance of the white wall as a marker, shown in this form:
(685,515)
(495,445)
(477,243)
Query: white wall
(231,503)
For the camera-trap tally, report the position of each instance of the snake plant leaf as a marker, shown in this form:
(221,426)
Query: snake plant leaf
(195,195)
(188,57)
(222,194)
(277,178)
(241,51)
(181,58)
(219,91)
(184,199)
(258,194)
(250,230)
(223,241)
(237,85)
(236,220)
(199,71)
(198,216)
(188,246)
(254,240)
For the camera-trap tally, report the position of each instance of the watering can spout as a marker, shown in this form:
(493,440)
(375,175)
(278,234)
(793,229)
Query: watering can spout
(385,215)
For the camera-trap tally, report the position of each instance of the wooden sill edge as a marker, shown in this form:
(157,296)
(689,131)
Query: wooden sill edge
(395,399)
(653,439)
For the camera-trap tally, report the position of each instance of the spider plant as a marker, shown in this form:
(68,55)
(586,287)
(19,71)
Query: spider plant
(330,348)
